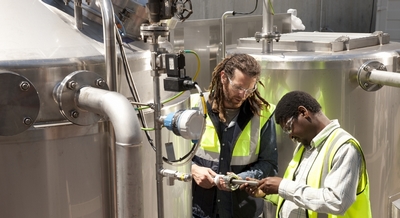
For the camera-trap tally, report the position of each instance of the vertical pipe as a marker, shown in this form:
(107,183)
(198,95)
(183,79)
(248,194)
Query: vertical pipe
(154,11)
(78,14)
(107,13)
(223,34)
(110,56)
(113,173)
(321,16)
(128,145)
(129,180)
(267,17)
(267,46)
(157,127)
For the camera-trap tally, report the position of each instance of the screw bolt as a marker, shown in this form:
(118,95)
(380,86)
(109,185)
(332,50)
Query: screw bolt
(24,86)
(100,82)
(74,114)
(71,84)
(367,68)
(27,121)
(382,67)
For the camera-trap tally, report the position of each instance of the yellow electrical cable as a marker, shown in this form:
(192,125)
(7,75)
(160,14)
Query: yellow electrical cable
(271,7)
(198,63)
(203,102)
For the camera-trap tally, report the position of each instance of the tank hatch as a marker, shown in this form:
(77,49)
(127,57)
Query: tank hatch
(321,41)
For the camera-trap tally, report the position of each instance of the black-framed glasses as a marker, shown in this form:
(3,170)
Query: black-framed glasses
(288,126)
(240,89)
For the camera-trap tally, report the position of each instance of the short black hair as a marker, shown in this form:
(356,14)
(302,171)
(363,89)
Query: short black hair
(290,102)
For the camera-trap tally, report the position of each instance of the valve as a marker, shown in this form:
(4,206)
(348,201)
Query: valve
(173,175)
(233,181)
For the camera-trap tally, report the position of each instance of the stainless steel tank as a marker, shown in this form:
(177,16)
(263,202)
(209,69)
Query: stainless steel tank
(57,158)
(337,69)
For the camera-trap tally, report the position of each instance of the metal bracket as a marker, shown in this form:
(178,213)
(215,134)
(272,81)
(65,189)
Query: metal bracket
(267,36)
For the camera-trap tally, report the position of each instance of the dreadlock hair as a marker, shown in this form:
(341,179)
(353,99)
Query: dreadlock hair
(250,67)
(289,104)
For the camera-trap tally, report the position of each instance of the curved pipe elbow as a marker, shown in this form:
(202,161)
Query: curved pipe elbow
(117,108)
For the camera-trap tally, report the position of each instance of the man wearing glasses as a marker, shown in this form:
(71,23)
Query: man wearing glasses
(327,176)
(239,138)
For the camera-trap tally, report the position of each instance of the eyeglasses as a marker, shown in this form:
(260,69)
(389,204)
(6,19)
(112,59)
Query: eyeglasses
(240,89)
(288,126)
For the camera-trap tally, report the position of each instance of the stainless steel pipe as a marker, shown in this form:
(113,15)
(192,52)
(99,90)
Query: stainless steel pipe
(128,137)
(384,78)
(268,22)
(223,34)
(78,14)
(107,13)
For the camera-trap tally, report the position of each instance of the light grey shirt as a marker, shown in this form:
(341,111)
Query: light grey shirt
(340,185)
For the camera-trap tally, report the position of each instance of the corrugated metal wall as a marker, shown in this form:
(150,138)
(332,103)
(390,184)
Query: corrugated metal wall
(388,18)
(328,15)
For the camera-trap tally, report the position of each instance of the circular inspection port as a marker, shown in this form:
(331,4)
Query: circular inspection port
(19,103)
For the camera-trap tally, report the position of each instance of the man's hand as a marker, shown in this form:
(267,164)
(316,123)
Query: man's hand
(270,185)
(203,176)
(266,186)
(253,190)
(222,185)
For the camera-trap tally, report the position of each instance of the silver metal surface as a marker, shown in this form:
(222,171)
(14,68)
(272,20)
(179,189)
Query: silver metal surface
(19,103)
(59,169)
(267,35)
(109,33)
(317,15)
(67,90)
(186,37)
(363,76)
(331,77)
(55,172)
(394,206)
(321,41)
(240,182)
(177,198)
(130,14)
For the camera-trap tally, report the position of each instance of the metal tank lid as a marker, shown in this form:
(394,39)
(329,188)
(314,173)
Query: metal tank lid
(41,34)
(321,41)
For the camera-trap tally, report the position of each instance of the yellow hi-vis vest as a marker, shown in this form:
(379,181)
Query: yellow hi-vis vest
(321,167)
(247,145)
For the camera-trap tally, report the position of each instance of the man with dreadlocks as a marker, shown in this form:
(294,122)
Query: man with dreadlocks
(239,140)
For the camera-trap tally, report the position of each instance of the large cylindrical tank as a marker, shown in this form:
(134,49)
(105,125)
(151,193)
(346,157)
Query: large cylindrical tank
(331,67)
(50,166)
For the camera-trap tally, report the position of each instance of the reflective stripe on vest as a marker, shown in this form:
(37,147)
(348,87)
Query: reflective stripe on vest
(246,147)
(321,167)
